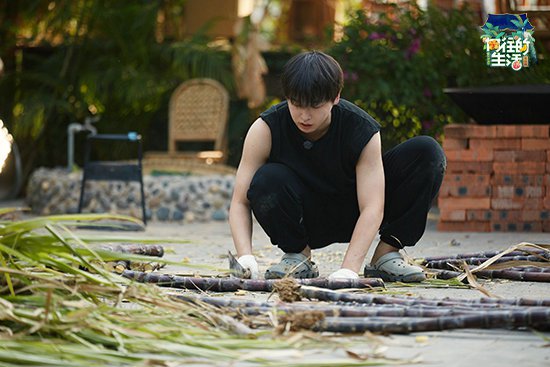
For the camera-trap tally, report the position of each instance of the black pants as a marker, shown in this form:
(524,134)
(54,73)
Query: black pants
(293,217)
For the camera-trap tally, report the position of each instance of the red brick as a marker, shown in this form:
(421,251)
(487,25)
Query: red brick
(453,215)
(495,144)
(503,192)
(519,156)
(518,180)
(516,203)
(522,131)
(510,191)
(535,215)
(468,155)
(546,202)
(470,167)
(532,191)
(456,131)
(479,215)
(546,226)
(464,190)
(494,215)
(513,226)
(507,215)
(515,168)
(548,155)
(548,167)
(533,203)
(464,203)
(547,182)
(461,131)
(468,179)
(464,226)
(535,144)
(454,144)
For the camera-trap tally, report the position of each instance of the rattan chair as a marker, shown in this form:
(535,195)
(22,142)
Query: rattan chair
(198,112)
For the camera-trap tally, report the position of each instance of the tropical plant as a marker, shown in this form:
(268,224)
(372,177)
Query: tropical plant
(66,60)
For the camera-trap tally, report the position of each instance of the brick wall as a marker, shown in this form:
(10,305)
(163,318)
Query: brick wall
(498,178)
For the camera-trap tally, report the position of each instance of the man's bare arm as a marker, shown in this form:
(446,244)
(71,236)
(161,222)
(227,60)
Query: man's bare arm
(256,150)
(370,194)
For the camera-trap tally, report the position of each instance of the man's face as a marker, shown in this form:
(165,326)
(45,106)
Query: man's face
(312,121)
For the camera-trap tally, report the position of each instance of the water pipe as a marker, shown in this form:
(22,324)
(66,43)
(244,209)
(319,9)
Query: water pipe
(74,128)
(10,154)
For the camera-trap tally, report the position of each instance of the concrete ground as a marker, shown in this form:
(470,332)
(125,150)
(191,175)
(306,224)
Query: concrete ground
(208,243)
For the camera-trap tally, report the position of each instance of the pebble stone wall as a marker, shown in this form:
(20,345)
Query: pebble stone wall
(179,198)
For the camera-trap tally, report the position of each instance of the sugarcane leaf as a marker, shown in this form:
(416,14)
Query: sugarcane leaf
(84,262)
(4,211)
(518,263)
(7,276)
(40,222)
(473,281)
(72,270)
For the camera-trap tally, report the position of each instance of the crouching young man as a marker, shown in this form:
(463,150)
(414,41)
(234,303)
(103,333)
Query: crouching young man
(312,172)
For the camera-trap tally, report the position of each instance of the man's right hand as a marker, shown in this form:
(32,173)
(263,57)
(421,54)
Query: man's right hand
(249,262)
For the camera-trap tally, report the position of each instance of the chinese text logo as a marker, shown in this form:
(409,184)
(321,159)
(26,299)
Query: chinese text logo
(508,41)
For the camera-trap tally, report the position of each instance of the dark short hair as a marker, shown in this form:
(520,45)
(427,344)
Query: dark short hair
(311,78)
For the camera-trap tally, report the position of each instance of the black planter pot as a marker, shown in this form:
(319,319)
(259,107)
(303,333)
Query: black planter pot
(506,104)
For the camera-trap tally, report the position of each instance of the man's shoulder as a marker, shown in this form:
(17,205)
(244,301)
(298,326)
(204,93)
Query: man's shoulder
(274,110)
(350,109)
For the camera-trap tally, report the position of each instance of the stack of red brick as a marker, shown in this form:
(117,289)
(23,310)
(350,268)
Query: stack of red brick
(498,178)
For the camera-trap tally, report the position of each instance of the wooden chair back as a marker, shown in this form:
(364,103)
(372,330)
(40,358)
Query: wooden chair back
(198,112)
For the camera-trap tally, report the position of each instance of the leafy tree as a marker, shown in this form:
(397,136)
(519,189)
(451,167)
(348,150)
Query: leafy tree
(68,59)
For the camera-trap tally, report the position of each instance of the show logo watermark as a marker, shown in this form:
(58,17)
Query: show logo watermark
(508,41)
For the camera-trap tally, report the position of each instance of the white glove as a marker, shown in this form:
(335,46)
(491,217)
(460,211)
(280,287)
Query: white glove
(343,274)
(249,262)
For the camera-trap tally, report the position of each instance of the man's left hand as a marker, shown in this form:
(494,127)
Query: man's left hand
(343,274)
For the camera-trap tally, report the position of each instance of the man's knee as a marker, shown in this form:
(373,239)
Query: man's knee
(270,185)
(430,152)
(433,163)
(269,173)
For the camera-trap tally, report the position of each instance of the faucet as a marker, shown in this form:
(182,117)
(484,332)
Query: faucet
(74,128)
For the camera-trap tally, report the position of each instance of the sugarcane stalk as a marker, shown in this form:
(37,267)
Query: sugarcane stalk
(530,269)
(329,295)
(485,254)
(447,274)
(528,276)
(121,265)
(146,267)
(449,263)
(234,284)
(537,319)
(135,248)
(384,319)
(385,302)
(252,308)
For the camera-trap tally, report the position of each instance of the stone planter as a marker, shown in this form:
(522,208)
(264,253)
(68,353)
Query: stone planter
(180,198)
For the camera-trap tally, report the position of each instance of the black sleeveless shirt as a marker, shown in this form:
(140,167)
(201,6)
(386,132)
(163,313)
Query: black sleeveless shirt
(326,166)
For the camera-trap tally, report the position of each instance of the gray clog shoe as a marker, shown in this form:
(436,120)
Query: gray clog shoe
(392,268)
(293,266)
